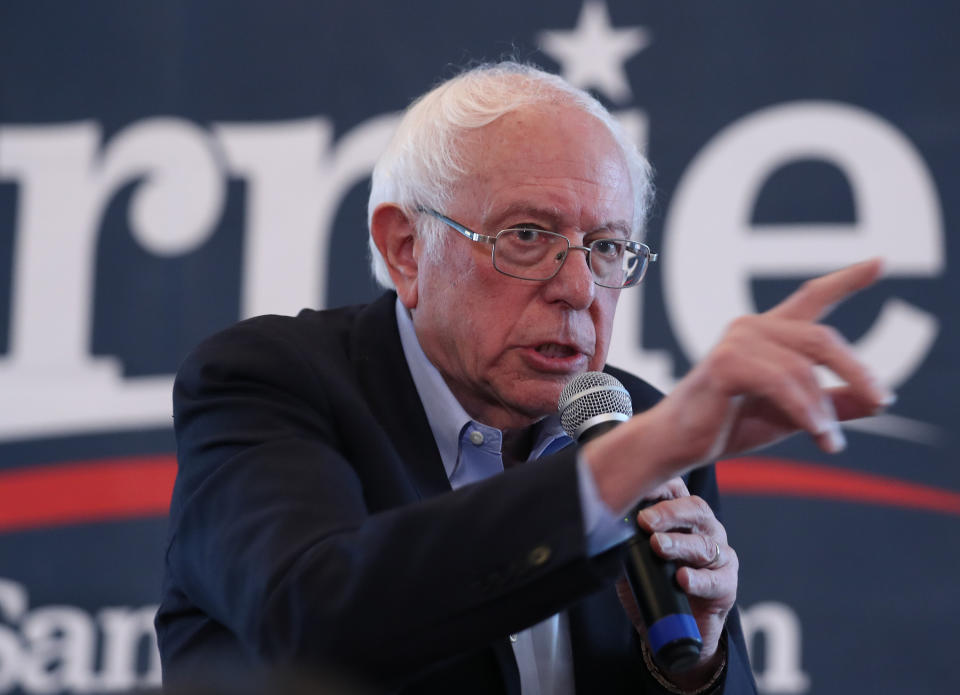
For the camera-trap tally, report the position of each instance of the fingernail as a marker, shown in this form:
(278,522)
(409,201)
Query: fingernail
(664,541)
(884,401)
(836,441)
(650,516)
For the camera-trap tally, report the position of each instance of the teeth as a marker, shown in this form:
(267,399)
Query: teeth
(554,350)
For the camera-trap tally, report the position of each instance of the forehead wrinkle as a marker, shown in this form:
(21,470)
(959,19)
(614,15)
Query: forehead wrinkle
(569,209)
(551,214)
(592,174)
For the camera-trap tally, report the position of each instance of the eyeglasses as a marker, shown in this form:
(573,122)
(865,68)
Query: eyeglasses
(528,253)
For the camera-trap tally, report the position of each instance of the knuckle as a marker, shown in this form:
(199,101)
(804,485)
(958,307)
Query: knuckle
(700,507)
(742,324)
(677,488)
(707,548)
(779,383)
(732,560)
(797,370)
(825,337)
(725,359)
(659,493)
(721,532)
(710,584)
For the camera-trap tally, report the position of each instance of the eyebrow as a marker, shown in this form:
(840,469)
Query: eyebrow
(553,216)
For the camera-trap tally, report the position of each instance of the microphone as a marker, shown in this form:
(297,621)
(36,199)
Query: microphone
(591,404)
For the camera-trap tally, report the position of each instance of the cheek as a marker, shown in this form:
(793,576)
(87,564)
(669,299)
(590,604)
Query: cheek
(490,328)
(493,326)
(477,317)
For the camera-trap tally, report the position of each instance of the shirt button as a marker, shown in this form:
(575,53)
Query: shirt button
(476,437)
(539,556)
(513,638)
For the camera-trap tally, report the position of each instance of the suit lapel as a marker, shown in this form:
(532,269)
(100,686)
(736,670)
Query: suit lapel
(606,655)
(389,389)
(385,379)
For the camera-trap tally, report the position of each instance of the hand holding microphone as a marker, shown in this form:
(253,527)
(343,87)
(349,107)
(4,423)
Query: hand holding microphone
(757,386)
(590,405)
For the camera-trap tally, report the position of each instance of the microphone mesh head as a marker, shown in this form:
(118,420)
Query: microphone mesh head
(591,394)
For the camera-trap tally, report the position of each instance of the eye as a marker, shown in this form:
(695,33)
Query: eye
(608,248)
(527,235)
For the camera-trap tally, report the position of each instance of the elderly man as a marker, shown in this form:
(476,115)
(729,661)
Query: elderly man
(341,499)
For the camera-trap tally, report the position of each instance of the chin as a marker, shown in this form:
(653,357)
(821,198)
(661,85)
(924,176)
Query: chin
(541,399)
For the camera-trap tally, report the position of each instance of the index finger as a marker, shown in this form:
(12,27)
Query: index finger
(816,298)
(670,490)
(690,512)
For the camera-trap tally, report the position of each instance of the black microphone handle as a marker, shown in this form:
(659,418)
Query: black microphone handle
(672,632)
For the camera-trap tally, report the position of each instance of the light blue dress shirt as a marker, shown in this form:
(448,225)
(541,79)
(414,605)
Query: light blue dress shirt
(471,451)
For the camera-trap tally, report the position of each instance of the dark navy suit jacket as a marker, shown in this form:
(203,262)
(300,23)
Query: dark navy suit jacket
(312,525)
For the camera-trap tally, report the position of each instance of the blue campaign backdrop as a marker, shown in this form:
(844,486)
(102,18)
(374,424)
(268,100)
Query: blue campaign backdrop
(169,168)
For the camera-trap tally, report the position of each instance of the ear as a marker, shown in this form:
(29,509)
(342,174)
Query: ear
(395,237)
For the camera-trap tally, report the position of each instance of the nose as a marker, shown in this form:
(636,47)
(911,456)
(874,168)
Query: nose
(573,283)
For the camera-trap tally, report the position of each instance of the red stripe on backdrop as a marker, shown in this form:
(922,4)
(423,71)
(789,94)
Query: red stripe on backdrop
(140,486)
(779,477)
(68,493)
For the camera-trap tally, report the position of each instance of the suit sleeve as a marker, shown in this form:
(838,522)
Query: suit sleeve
(272,535)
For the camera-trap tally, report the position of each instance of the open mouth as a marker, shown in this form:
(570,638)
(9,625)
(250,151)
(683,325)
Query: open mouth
(556,350)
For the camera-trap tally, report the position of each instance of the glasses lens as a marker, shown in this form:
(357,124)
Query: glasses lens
(618,262)
(531,254)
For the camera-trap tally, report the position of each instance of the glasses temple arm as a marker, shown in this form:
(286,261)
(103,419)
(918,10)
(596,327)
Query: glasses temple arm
(453,224)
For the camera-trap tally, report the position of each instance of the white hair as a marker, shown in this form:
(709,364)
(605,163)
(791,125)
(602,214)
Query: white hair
(424,159)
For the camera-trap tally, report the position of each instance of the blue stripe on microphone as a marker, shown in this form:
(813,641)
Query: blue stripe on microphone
(671,628)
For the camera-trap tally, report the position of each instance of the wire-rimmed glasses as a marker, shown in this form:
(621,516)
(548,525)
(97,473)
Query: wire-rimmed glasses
(529,253)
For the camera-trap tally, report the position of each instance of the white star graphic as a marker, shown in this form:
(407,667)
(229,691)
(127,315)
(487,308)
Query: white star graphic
(593,53)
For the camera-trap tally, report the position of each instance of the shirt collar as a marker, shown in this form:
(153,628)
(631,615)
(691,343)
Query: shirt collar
(446,416)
